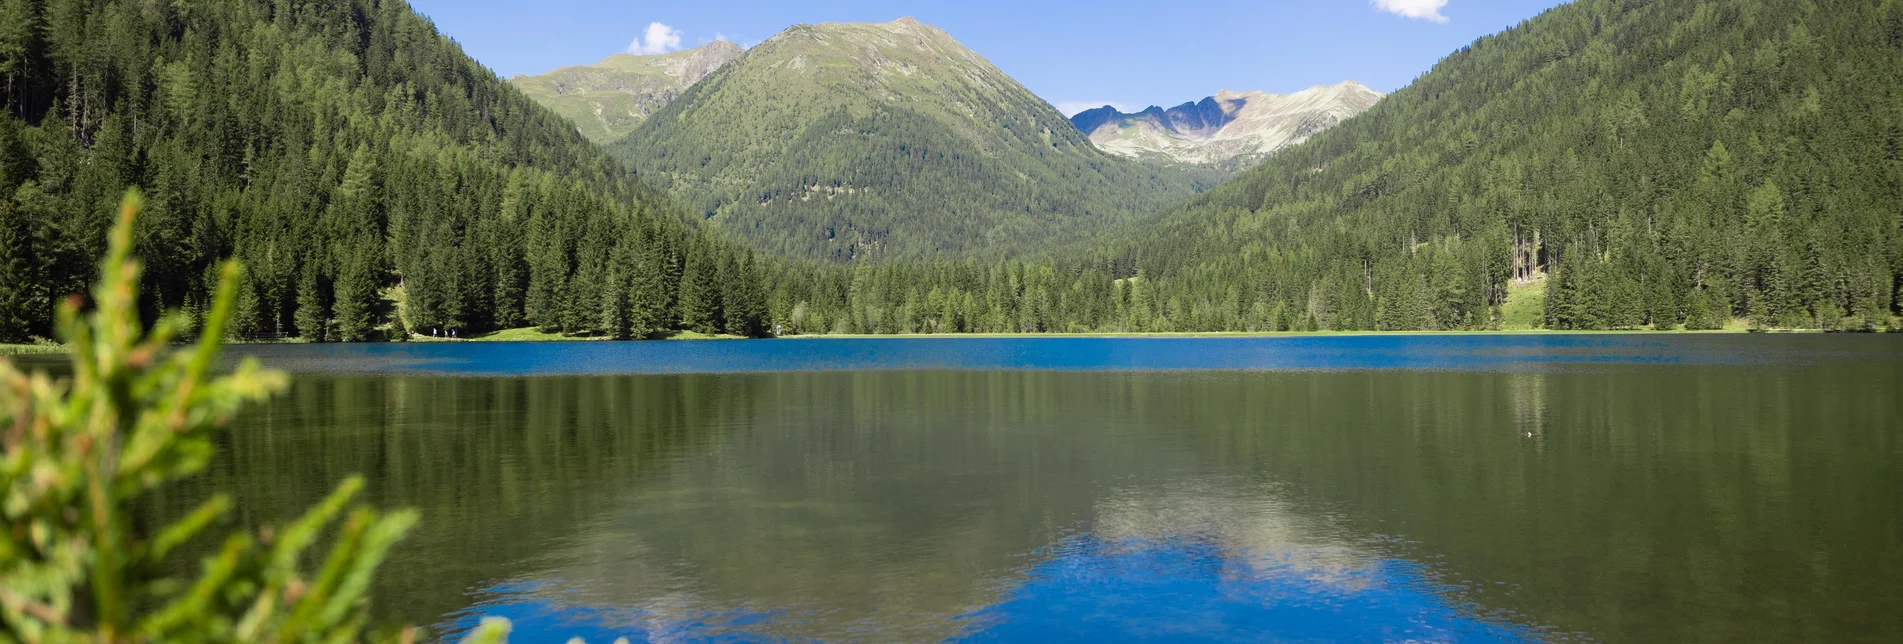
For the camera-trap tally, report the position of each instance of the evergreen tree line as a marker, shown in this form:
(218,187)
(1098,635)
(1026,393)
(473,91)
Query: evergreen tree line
(373,179)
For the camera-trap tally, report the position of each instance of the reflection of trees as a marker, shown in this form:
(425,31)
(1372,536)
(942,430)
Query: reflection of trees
(833,565)
(1655,503)
(497,466)
(898,499)
(892,503)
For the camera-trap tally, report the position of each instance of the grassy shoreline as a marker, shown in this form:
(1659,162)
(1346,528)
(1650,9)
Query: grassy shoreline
(30,349)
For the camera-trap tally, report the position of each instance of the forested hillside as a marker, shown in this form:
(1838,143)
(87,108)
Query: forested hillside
(350,155)
(1650,163)
(1662,162)
(886,142)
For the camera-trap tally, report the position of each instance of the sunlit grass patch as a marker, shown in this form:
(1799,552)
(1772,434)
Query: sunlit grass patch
(1525,305)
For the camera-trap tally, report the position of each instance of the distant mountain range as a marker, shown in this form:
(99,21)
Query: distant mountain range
(1227,126)
(607,100)
(854,141)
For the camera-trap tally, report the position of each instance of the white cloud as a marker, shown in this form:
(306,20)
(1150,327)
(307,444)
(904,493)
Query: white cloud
(658,39)
(1071,108)
(1416,9)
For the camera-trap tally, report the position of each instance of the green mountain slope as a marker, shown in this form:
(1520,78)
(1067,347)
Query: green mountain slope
(344,151)
(885,141)
(1608,164)
(607,100)
(1656,162)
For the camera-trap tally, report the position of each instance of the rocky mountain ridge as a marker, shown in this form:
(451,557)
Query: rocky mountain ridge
(1226,127)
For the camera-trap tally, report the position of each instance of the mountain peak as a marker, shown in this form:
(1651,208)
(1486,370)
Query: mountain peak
(1226,125)
(608,99)
(884,141)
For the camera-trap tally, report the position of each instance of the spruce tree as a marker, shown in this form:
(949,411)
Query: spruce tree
(700,291)
(313,305)
(18,302)
(647,296)
(747,311)
(355,296)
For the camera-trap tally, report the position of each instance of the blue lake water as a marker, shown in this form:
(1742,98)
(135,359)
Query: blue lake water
(1432,352)
(1626,488)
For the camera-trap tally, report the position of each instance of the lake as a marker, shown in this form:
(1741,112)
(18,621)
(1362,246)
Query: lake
(1621,488)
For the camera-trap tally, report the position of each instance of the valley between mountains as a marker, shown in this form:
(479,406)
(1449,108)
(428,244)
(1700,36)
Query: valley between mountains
(1608,164)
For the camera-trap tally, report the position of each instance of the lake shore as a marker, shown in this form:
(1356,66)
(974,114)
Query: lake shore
(533,335)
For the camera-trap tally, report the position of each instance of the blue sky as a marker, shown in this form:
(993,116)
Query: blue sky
(1075,55)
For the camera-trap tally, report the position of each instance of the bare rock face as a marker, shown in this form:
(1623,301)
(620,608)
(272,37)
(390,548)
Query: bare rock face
(607,100)
(1225,127)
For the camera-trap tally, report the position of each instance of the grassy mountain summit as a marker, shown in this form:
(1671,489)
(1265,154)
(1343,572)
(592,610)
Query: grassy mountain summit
(1225,127)
(885,141)
(607,100)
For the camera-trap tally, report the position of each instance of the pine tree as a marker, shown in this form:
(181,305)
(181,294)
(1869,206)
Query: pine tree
(18,302)
(647,296)
(355,297)
(19,38)
(313,304)
(747,310)
(700,291)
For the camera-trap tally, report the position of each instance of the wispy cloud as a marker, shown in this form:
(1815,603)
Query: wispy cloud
(722,36)
(658,39)
(1417,9)
(1071,108)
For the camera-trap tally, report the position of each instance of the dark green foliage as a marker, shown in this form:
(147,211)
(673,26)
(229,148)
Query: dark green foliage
(18,299)
(339,148)
(700,292)
(743,299)
(135,417)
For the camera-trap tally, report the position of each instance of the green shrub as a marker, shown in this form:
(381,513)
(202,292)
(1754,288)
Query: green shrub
(137,413)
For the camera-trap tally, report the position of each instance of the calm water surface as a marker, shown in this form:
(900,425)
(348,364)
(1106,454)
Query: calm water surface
(1428,488)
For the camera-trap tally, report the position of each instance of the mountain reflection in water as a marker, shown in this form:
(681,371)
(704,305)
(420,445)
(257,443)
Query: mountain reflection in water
(1611,488)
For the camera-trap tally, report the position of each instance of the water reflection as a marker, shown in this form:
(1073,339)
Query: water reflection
(1215,559)
(1631,500)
